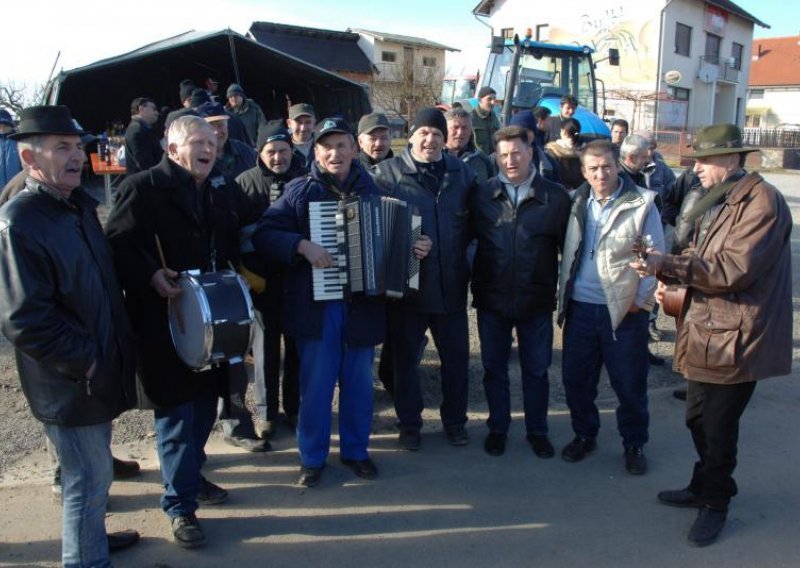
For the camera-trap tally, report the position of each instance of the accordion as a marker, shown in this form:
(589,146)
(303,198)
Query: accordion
(370,239)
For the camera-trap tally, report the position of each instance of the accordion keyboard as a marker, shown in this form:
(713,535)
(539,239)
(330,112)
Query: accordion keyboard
(328,282)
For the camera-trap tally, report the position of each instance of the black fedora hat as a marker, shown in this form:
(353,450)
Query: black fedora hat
(45,120)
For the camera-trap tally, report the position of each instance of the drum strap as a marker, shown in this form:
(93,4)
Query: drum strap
(212,231)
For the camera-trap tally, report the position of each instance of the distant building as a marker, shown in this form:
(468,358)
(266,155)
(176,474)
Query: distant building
(773,98)
(408,71)
(403,73)
(685,62)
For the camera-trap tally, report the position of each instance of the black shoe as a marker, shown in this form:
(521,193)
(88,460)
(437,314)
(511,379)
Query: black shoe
(125,469)
(309,476)
(654,333)
(655,360)
(186,531)
(248,444)
(578,449)
(410,440)
(541,446)
(495,443)
(635,461)
(265,429)
(456,435)
(211,493)
(707,526)
(121,540)
(679,498)
(680,394)
(362,468)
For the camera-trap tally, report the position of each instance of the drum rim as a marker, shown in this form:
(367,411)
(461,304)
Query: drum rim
(208,328)
(251,311)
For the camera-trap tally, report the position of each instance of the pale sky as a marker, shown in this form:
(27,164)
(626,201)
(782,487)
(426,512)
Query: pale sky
(85,31)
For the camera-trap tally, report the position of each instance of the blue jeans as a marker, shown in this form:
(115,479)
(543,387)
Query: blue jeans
(590,343)
(84,453)
(323,362)
(451,337)
(181,435)
(535,336)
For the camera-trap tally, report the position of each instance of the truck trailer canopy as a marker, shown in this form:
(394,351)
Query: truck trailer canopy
(101,93)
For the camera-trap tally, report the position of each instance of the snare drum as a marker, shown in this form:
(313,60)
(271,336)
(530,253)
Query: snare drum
(211,320)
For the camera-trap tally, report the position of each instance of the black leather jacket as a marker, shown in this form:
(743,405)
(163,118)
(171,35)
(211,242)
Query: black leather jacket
(516,262)
(445,219)
(62,308)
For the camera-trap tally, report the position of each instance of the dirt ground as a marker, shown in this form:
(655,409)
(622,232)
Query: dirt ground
(442,506)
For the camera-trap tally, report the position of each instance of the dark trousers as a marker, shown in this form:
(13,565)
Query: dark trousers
(267,368)
(450,336)
(712,416)
(590,343)
(232,409)
(386,364)
(535,335)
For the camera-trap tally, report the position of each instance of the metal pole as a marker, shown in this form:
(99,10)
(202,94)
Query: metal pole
(233,57)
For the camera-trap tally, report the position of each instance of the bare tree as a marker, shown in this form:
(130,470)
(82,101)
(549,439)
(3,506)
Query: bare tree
(642,102)
(402,90)
(16,96)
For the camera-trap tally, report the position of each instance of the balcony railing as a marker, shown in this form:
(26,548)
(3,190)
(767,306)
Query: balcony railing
(724,67)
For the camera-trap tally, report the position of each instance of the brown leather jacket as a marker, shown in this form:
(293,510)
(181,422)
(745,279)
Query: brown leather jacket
(737,320)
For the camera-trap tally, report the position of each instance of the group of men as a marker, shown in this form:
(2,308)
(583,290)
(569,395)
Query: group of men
(74,298)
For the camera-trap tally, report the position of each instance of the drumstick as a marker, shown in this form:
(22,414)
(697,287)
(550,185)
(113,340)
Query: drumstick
(178,315)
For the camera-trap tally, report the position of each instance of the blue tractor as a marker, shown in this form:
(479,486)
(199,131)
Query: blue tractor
(539,74)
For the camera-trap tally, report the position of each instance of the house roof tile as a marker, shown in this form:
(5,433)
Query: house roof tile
(775,62)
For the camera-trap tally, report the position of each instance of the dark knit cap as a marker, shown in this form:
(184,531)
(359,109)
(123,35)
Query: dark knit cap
(234,89)
(186,88)
(273,131)
(487,90)
(199,97)
(431,117)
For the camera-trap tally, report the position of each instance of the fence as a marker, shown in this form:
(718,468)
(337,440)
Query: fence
(776,138)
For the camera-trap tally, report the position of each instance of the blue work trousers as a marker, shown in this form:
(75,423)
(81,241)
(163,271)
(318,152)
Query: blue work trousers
(323,362)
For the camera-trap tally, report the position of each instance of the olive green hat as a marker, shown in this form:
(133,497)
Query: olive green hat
(719,140)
